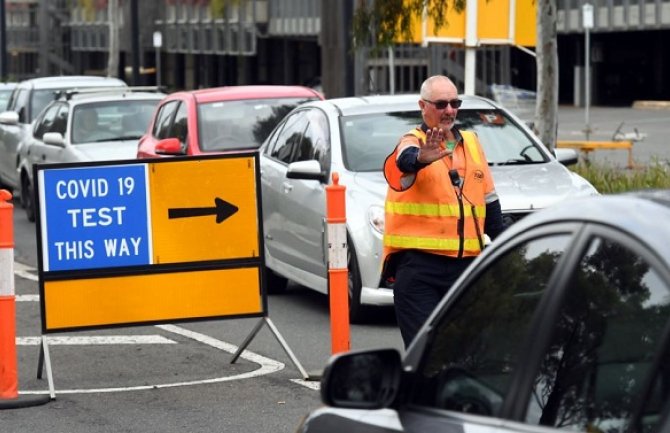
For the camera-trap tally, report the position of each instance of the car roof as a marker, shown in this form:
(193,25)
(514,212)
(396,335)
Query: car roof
(114,95)
(389,103)
(232,93)
(61,81)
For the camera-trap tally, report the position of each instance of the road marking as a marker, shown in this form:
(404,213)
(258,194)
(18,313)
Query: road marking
(95,341)
(267,365)
(26,272)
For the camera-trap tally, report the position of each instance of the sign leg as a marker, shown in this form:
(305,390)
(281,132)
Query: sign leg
(47,362)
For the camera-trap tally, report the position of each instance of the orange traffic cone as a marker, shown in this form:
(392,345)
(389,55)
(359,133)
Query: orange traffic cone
(9,383)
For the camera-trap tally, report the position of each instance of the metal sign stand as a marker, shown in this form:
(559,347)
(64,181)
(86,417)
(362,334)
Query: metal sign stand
(45,360)
(266,320)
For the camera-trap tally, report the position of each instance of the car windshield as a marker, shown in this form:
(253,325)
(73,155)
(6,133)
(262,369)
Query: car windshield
(112,120)
(227,125)
(369,139)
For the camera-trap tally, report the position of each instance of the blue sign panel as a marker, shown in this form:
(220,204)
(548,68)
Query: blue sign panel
(95,217)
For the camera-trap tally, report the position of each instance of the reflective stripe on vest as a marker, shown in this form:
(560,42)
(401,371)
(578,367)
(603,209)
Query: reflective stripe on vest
(436,244)
(433,210)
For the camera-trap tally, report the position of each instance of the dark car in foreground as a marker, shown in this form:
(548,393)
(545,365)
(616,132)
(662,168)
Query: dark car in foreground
(562,324)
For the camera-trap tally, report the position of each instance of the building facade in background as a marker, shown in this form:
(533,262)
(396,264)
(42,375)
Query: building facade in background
(206,43)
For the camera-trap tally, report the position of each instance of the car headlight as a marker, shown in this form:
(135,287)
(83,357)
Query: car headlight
(376,218)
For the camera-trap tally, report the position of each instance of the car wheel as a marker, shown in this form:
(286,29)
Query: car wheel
(274,283)
(27,199)
(357,312)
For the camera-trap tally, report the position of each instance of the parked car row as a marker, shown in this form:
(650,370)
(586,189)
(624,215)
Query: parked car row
(302,140)
(26,102)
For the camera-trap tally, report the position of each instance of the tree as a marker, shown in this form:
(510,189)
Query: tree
(381,23)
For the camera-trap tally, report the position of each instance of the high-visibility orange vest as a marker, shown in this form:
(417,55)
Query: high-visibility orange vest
(424,212)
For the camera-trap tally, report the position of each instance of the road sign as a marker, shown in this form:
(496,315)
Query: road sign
(95,218)
(131,242)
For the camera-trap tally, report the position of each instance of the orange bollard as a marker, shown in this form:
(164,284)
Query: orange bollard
(9,378)
(338,274)
(9,382)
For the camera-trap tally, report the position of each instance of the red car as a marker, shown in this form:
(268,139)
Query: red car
(219,119)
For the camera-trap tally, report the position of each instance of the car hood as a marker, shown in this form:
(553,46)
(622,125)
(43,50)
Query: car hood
(530,187)
(370,184)
(519,187)
(108,150)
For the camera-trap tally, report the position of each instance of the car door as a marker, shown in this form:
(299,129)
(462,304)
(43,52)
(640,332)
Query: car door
(294,209)
(11,136)
(160,129)
(565,329)
(54,119)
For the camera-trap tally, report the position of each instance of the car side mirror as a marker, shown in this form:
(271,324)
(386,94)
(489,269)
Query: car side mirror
(54,139)
(169,146)
(9,118)
(566,156)
(368,379)
(310,170)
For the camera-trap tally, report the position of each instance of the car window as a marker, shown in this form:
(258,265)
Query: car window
(316,143)
(239,124)
(605,338)
(4,98)
(287,146)
(40,99)
(60,123)
(503,141)
(46,121)
(19,104)
(477,343)
(369,139)
(180,125)
(163,118)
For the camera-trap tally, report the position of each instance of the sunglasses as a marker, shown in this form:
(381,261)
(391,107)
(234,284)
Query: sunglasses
(441,105)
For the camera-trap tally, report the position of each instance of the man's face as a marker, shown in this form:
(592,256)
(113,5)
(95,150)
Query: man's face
(432,115)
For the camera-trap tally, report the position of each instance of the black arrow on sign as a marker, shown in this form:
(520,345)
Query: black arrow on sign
(222,210)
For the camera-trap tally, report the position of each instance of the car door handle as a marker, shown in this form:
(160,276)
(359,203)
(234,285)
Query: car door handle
(287,187)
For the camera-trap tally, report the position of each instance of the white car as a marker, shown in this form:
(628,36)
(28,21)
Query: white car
(353,136)
(85,126)
(26,102)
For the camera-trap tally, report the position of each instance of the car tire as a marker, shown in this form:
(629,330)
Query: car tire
(274,283)
(27,198)
(357,312)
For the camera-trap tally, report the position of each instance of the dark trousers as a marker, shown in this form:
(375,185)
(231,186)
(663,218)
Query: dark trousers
(421,280)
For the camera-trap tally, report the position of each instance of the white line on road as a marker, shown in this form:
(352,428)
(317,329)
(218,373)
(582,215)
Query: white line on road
(23,271)
(95,340)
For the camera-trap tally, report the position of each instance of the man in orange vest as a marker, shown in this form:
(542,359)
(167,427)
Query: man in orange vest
(441,207)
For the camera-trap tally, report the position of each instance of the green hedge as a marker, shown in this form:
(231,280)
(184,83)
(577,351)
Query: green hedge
(610,179)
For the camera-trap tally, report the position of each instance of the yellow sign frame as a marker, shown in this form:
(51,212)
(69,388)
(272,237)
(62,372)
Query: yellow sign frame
(203,266)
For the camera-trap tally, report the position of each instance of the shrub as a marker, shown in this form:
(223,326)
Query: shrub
(608,179)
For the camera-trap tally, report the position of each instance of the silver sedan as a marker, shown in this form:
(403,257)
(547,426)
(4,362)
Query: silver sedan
(353,136)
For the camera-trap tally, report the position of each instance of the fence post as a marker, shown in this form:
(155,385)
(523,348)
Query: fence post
(9,381)
(338,274)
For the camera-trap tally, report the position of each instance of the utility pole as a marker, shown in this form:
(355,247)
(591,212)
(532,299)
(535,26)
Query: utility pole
(113,55)
(135,37)
(3,42)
